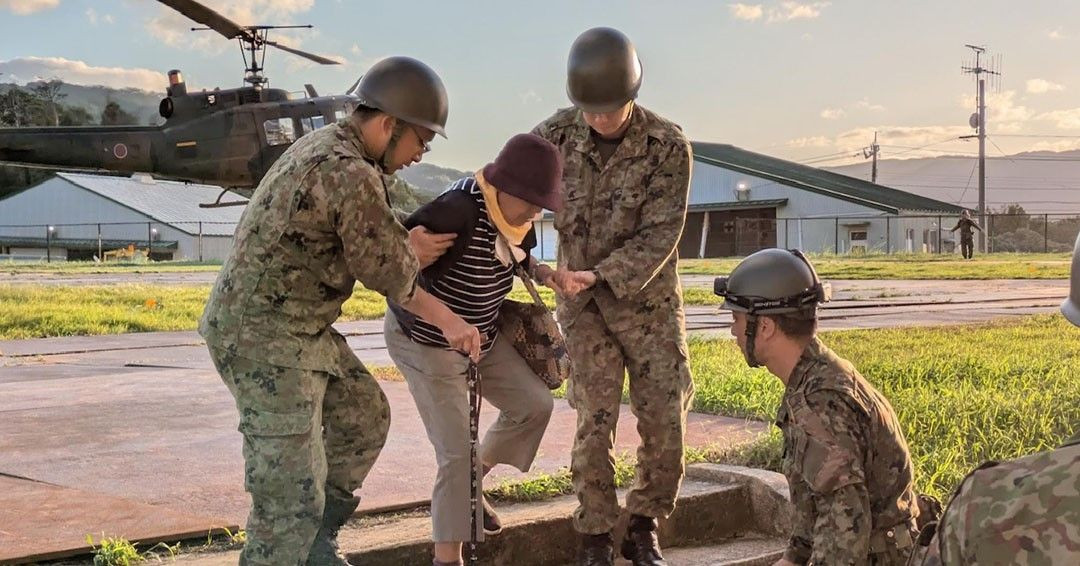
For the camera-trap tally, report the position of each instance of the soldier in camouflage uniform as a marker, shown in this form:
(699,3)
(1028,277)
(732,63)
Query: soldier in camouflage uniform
(626,178)
(312,416)
(845,458)
(1024,511)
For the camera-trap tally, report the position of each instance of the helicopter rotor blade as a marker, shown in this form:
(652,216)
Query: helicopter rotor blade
(311,56)
(207,17)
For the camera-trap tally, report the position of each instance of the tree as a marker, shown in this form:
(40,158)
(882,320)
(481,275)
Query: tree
(113,115)
(1010,218)
(49,95)
(19,108)
(75,116)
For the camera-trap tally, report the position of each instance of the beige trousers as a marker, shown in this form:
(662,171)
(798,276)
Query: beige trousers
(436,379)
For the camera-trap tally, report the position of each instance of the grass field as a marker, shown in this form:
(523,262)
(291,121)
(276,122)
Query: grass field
(43,311)
(964,395)
(874,266)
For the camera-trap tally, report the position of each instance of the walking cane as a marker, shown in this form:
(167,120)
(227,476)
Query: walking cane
(472,378)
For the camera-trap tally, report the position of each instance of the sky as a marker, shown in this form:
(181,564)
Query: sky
(806,81)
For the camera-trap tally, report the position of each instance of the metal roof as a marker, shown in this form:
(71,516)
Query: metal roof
(169,202)
(817,180)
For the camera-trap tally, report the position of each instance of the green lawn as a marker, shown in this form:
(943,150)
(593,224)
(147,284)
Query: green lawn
(964,395)
(873,266)
(914,266)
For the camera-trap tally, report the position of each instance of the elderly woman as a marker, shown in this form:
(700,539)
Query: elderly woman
(492,214)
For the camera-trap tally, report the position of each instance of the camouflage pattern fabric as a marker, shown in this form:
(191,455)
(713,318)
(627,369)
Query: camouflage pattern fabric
(313,418)
(307,435)
(847,466)
(318,222)
(623,218)
(1024,512)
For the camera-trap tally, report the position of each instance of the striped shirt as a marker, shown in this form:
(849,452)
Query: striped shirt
(475,286)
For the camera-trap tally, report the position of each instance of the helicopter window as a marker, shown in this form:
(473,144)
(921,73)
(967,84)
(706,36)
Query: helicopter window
(318,122)
(279,131)
(339,115)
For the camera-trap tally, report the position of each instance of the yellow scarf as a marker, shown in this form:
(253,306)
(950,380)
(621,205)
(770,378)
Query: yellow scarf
(513,234)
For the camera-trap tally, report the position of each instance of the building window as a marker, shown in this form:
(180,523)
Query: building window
(279,131)
(860,235)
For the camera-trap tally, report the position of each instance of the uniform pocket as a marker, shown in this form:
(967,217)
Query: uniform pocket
(265,423)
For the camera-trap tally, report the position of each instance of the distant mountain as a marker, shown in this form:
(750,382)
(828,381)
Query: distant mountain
(141,103)
(1042,181)
(430,180)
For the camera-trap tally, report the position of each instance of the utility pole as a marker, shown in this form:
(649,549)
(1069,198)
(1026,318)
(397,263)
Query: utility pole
(978,121)
(872,152)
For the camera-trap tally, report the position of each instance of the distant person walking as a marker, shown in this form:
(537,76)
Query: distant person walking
(967,228)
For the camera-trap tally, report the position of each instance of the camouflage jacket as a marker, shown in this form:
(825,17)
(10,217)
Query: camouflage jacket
(846,462)
(318,222)
(622,219)
(1023,511)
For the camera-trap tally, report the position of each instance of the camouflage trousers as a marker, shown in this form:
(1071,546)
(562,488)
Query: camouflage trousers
(654,353)
(307,435)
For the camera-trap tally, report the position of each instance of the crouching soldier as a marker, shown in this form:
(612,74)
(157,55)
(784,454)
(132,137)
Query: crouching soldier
(845,458)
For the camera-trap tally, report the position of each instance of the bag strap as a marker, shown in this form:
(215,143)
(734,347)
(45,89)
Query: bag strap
(520,272)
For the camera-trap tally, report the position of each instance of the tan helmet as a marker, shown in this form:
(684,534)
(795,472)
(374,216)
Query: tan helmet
(408,90)
(1071,306)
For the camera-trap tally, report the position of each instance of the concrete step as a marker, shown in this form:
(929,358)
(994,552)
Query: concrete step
(741,512)
(748,551)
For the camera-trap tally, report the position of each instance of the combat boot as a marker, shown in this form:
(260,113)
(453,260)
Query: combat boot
(640,546)
(597,550)
(324,551)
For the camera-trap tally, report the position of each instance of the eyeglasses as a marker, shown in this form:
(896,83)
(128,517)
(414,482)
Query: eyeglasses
(424,145)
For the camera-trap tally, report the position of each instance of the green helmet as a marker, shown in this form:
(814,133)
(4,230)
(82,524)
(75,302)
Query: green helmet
(773,281)
(407,90)
(603,71)
(1071,307)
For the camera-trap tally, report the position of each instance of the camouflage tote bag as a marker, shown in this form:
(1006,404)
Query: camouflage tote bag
(535,335)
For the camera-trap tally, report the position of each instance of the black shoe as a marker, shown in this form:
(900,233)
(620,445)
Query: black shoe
(640,546)
(324,550)
(597,550)
(492,524)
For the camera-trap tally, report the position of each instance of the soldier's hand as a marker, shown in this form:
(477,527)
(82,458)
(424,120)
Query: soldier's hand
(429,246)
(574,282)
(463,337)
(546,276)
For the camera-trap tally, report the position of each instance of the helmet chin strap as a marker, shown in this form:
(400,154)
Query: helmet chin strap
(391,144)
(751,334)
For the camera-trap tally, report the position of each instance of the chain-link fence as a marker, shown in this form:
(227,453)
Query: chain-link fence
(707,234)
(117,241)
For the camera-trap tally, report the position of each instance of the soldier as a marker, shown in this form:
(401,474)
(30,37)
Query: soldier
(626,176)
(312,416)
(845,458)
(967,228)
(1023,511)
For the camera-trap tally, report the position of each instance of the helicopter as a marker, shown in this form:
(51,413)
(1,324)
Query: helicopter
(223,137)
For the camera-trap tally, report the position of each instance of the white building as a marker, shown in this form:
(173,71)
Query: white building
(77,216)
(741,202)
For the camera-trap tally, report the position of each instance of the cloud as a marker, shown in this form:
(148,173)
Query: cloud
(24,7)
(27,69)
(529,97)
(832,113)
(1004,113)
(812,141)
(174,29)
(1056,145)
(788,11)
(1064,119)
(1055,34)
(746,12)
(866,105)
(1040,86)
(911,136)
(355,49)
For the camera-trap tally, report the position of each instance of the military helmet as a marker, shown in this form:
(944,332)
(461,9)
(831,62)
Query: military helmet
(1071,307)
(773,281)
(603,71)
(407,90)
